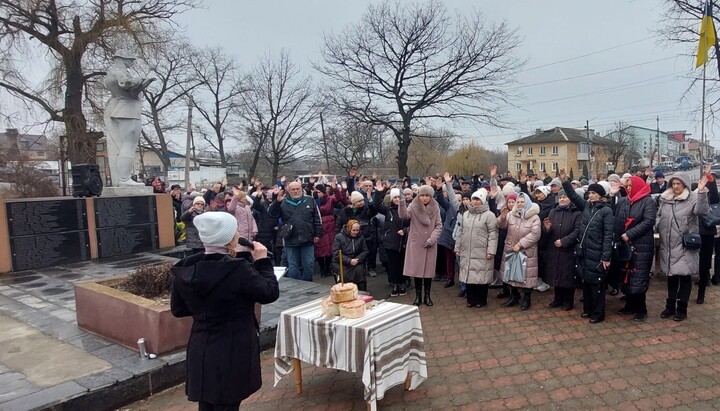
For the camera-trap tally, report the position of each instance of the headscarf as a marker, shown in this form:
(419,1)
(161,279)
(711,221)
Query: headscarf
(639,190)
(348,226)
(528,204)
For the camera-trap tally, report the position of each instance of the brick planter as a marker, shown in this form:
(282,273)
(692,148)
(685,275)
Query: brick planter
(123,317)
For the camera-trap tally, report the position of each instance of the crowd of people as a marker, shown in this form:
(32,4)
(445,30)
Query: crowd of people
(521,233)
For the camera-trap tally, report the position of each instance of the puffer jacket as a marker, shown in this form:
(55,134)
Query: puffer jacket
(635,276)
(304,216)
(560,261)
(596,235)
(478,238)
(246,225)
(351,247)
(392,224)
(451,207)
(526,231)
(677,215)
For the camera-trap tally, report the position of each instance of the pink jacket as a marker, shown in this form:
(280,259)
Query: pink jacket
(247,227)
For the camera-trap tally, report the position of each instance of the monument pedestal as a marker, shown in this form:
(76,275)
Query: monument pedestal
(127,191)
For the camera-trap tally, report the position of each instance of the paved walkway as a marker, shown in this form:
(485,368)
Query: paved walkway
(495,358)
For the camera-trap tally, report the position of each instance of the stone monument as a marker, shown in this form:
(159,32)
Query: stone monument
(123,124)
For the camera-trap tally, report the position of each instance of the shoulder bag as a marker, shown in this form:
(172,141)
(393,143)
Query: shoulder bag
(689,241)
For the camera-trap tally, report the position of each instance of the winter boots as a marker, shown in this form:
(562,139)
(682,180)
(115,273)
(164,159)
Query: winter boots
(669,310)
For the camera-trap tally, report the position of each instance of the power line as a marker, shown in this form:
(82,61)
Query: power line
(586,55)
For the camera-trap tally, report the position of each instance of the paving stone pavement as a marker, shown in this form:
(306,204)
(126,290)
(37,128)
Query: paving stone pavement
(497,358)
(43,301)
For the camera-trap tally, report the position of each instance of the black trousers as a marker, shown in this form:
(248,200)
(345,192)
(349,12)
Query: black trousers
(679,287)
(477,294)
(594,299)
(636,303)
(716,266)
(204,406)
(372,252)
(565,296)
(707,245)
(395,266)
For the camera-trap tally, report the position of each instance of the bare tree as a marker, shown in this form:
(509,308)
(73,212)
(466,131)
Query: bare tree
(218,97)
(404,66)
(167,97)
(620,141)
(76,36)
(351,144)
(430,153)
(280,112)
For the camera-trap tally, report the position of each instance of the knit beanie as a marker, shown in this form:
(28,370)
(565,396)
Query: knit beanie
(615,178)
(544,189)
(561,193)
(537,184)
(216,228)
(426,190)
(395,192)
(605,185)
(480,194)
(407,191)
(512,196)
(576,182)
(556,182)
(355,197)
(508,188)
(597,188)
(198,199)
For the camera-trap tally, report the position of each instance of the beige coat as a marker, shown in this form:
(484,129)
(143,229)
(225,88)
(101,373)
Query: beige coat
(477,238)
(526,231)
(425,225)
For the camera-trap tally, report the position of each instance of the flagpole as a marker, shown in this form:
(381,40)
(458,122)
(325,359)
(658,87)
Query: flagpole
(702,123)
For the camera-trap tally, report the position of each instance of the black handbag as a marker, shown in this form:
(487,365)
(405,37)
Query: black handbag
(712,218)
(622,251)
(689,241)
(286,231)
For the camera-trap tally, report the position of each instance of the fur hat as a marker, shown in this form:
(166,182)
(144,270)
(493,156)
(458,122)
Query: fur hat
(198,199)
(544,189)
(426,190)
(395,192)
(597,188)
(355,197)
(216,228)
(508,188)
(480,194)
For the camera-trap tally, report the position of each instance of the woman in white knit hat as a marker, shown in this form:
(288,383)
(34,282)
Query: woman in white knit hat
(220,293)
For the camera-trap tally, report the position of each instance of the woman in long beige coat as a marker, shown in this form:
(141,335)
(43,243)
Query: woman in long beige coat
(476,245)
(424,230)
(523,227)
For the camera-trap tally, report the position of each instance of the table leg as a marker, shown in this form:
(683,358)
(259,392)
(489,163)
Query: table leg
(297,364)
(406,385)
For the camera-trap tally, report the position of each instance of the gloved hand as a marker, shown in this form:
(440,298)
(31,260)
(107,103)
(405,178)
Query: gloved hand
(427,244)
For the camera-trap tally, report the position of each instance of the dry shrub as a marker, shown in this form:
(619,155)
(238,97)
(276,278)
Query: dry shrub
(149,281)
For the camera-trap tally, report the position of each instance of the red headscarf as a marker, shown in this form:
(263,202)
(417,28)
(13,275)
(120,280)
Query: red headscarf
(639,190)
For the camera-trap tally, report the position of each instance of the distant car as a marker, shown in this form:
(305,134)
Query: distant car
(684,166)
(662,169)
(715,168)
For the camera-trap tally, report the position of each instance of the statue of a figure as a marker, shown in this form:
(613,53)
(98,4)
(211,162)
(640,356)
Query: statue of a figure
(122,118)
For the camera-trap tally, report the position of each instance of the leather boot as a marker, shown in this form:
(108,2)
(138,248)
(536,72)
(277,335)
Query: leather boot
(525,305)
(701,295)
(418,298)
(428,301)
(669,310)
(505,292)
(514,298)
(681,312)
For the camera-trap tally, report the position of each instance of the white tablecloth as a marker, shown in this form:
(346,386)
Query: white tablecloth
(385,345)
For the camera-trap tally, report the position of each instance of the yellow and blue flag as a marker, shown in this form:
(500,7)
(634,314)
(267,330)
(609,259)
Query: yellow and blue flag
(707,36)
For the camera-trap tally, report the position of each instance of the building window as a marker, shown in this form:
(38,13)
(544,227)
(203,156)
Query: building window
(554,166)
(517,151)
(542,167)
(542,150)
(518,166)
(100,147)
(530,151)
(555,149)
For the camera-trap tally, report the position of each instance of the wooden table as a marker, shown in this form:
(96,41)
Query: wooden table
(386,346)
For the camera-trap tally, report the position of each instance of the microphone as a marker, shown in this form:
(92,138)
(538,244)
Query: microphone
(246,243)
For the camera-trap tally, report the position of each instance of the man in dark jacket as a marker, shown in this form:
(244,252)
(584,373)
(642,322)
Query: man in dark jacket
(267,225)
(659,185)
(302,228)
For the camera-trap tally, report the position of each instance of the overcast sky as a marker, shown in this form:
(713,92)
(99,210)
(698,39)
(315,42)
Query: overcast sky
(587,60)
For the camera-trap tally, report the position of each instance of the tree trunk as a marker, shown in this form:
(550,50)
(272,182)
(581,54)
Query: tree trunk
(275,167)
(164,154)
(403,147)
(81,144)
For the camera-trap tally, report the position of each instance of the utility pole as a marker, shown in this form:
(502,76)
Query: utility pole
(188,142)
(590,152)
(325,149)
(657,136)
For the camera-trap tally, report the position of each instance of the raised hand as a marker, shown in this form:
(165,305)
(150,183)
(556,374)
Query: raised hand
(447,177)
(283,179)
(236,191)
(702,183)
(374,176)
(548,224)
(344,185)
(281,196)
(493,171)
(523,177)
(379,185)
(563,175)
(708,169)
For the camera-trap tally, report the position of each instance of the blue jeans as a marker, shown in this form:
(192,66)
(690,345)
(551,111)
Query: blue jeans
(301,261)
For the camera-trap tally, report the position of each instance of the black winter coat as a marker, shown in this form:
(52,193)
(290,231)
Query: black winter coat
(596,235)
(303,214)
(223,354)
(560,261)
(351,247)
(363,215)
(266,223)
(192,238)
(546,206)
(635,275)
(393,223)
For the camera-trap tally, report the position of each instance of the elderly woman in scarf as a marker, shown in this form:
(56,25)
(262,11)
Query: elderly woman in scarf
(634,245)
(523,234)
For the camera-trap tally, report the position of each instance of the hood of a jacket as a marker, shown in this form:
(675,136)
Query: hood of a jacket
(203,272)
(669,195)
